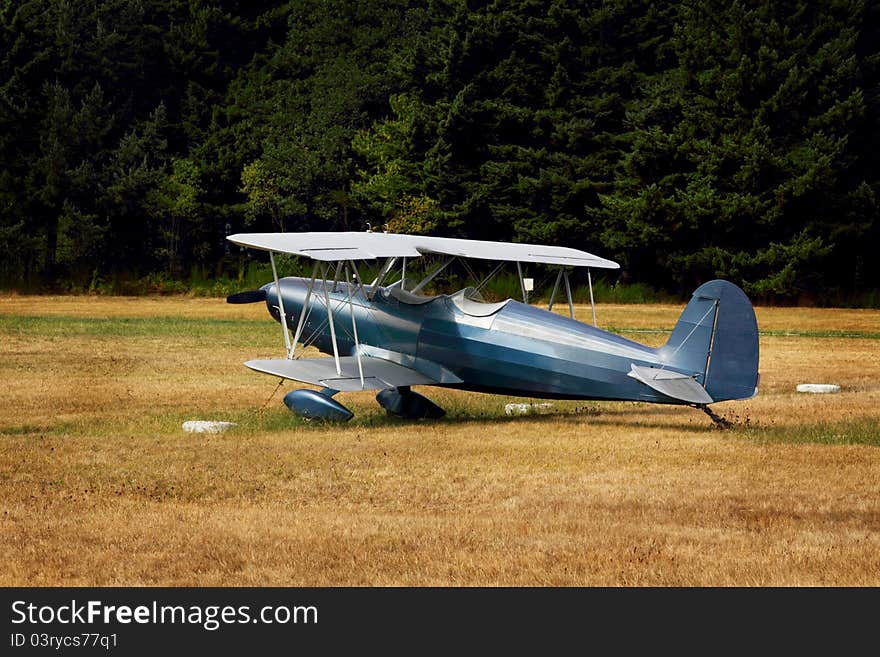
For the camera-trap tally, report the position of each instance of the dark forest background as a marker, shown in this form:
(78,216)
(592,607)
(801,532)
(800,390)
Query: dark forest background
(687,140)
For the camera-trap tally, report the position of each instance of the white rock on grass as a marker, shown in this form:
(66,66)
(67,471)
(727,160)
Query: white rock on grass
(522,409)
(206,426)
(818,387)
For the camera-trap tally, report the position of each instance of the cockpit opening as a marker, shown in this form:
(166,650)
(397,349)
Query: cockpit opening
(466,301)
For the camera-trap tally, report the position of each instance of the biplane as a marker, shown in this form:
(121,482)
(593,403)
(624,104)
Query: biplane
(389,335)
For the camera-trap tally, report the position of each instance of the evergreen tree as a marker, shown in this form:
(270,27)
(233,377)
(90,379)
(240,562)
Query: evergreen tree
(514,133)
(741,158)
(686,139)
(292,114)
(96,98)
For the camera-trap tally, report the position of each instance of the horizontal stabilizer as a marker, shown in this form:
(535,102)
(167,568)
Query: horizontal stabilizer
(672,384)
(379,374)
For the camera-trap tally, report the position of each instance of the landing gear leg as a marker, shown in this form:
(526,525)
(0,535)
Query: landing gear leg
(403,402)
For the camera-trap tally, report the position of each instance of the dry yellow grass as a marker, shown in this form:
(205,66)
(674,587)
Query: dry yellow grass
(99,486)
(144,307)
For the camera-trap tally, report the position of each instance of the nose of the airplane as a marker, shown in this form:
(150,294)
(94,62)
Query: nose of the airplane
(293,293)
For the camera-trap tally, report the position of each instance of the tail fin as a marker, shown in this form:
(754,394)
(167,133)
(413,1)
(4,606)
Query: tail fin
(716,339)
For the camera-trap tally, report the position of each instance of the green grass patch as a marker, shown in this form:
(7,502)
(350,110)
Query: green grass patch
(868,335)
(130,326)
(276,418)
(872,335)
(853,432)
(25,430)
(463,408)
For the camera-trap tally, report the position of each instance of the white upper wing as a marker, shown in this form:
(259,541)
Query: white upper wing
(368,246)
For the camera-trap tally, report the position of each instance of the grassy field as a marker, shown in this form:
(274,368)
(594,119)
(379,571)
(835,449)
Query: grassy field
(100,486)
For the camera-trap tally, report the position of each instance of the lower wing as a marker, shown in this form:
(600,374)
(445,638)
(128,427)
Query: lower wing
(378,374)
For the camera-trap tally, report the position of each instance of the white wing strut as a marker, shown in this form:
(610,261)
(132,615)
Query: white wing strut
(592,303)
(303,312)
(354,327)
(383,273)
(284,330)
(555,290)
(430,277)
(522,283)
(568,293)
(332,328)
(563,276)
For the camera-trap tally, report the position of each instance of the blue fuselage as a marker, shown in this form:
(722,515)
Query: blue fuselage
(508,348)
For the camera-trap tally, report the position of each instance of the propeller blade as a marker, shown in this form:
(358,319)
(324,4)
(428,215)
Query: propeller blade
(250,296)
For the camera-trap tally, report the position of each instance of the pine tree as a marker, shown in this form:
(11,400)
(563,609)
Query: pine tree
(741,162)
(514,134)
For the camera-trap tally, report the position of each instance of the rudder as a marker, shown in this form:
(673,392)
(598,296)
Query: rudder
(716,339)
